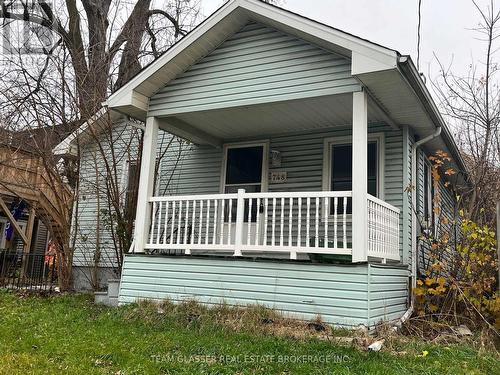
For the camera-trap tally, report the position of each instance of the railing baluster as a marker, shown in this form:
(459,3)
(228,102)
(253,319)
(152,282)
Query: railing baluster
(158,231)
(193,220)
(317,223)
(290,221)
(282,224)
(249,218)
(222,212)
(229,225)
(273,222)
(299,224)
(325,208)
(308,217)
(293,253)
(200,224)
(207,222)
(257,224)
(152,223)
(172,223)
(165,225)
(264,240)
(335,224)
(344,222)
(186,222)
(214,239)
(179,224)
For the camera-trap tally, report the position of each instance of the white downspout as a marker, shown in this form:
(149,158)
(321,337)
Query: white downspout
(414,148)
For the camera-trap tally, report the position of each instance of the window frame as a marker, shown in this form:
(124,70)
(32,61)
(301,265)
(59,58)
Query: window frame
(378,138)
(430,216)
(265,162)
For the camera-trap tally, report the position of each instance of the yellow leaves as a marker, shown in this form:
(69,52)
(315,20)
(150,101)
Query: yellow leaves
(420,282)
(429,281)
(419,291)
(424,354)
(437,266)
(440,289)
(450,172)
(441,281)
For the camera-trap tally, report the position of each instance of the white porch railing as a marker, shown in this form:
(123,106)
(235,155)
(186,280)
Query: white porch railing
(383,229)
(289,222)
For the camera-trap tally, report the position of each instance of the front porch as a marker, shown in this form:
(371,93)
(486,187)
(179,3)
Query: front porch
(252,214)
(301,225)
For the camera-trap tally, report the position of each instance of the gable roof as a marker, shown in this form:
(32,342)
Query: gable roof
(378,68)
(132,98)
(97,123)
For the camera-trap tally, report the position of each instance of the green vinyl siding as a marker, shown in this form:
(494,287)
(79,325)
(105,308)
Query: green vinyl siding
(256,65)
(388,292)
(90,222)
(337,293)
(447,205)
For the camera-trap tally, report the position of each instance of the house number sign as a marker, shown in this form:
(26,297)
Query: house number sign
(278,177)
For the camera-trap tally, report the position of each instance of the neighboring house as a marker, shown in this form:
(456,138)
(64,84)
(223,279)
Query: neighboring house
(295,191)
(28,204)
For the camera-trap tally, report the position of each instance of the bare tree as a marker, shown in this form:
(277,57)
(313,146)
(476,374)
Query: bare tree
(104,42)
(99,45)
(472,104)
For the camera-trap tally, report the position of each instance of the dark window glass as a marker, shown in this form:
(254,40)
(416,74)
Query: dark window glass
(244,171)
(248,189)
(428,195)
(341,173)
(132,187)
(244,165)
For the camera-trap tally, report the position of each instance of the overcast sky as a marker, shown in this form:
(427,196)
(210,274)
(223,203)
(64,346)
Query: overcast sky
(393,23)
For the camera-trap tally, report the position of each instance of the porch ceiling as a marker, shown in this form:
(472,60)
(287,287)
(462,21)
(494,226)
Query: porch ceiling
(211,127)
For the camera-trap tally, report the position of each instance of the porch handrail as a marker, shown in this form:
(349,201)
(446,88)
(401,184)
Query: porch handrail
(287,222)
(383,229)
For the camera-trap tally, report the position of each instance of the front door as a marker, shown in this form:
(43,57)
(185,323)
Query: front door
(244,169)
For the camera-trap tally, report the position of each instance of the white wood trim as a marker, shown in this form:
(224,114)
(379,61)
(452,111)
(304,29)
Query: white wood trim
(146,188)
(359,173)
(382,225)
(186,131)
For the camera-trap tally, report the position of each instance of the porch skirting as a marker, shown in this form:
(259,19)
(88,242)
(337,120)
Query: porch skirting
(344,295)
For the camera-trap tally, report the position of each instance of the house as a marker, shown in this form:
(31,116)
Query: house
(307,151)
(30,212)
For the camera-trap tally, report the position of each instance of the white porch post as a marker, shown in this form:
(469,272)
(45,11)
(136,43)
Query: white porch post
(146,184)
(359,177)
(240,217)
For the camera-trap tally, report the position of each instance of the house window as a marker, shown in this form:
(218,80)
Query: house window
(339,169)
(133,173)
(243,170)
(428,195)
